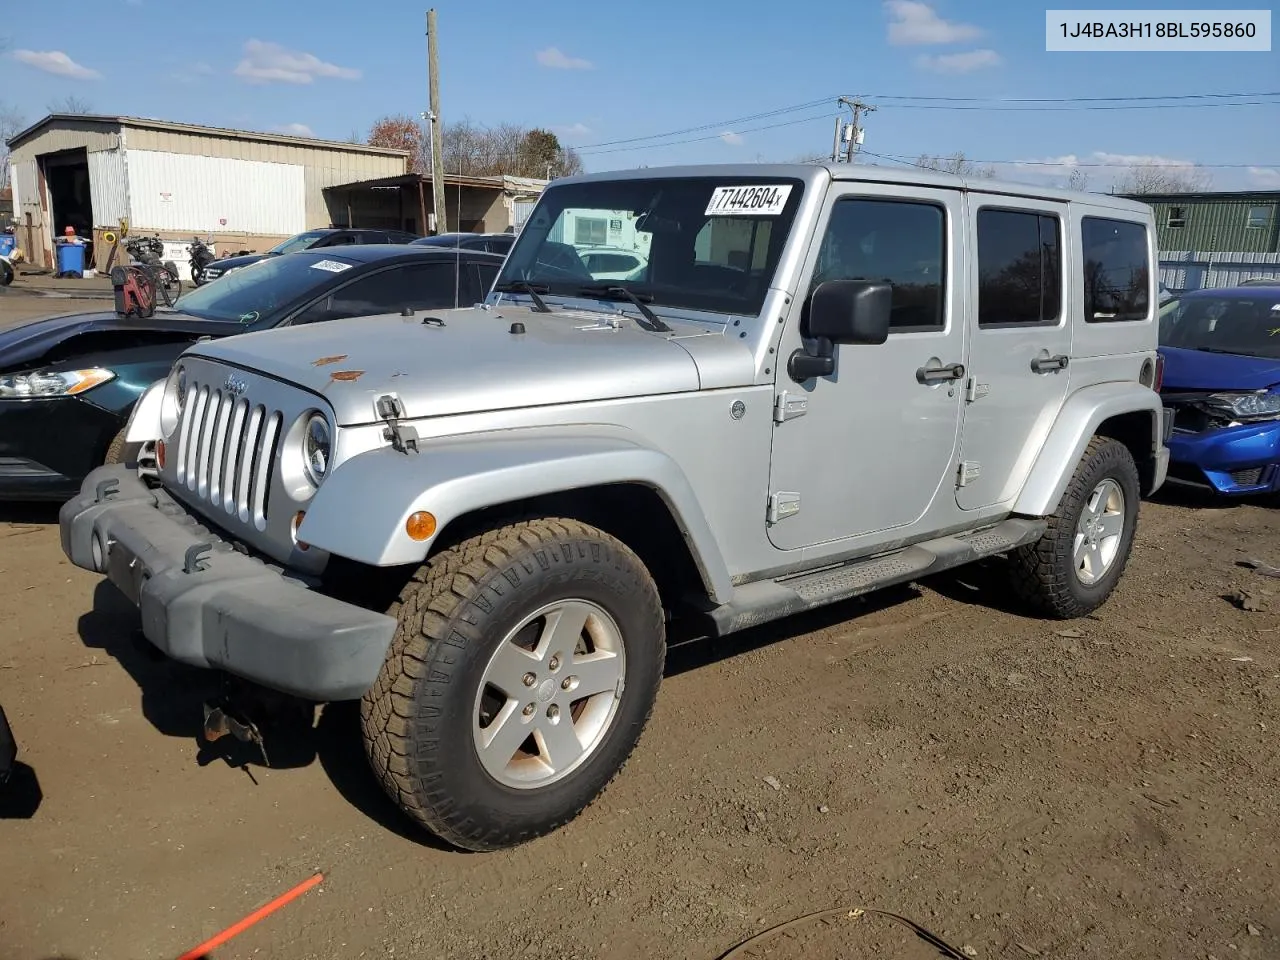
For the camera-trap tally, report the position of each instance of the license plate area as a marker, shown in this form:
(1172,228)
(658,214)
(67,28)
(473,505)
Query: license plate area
(125,571)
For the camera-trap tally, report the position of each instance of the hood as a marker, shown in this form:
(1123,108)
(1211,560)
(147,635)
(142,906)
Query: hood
(1200,370)
(474,363)
(27,344)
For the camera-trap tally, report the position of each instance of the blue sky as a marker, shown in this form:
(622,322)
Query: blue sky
(599,72)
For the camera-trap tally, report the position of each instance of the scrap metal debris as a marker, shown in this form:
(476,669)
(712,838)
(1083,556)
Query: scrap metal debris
(324,361)
(346,376)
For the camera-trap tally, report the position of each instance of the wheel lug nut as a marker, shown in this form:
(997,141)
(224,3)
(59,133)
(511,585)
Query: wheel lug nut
(529,679)
(528,710)
(553,712)
(554,663)
(568,682)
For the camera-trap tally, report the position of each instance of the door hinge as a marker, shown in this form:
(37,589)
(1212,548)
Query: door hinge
(788,407)
(783,505)
(969,471)
(973,390)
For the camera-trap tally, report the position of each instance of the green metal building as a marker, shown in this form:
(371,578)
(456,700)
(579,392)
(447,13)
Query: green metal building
(1240,222)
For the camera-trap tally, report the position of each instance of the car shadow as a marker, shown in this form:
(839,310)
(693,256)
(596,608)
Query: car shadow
(173,697)
(20,795)
(41,512)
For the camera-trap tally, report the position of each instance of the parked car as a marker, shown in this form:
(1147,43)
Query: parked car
(609,263)
(1221,389)
(490,242)
(68,383)
(801,400)
(311,240)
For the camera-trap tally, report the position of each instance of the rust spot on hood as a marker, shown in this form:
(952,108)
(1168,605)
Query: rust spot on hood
(346,376)
(324,361)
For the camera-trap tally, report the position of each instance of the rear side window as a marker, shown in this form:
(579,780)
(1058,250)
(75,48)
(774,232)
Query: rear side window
(1019,268)
(1117,270)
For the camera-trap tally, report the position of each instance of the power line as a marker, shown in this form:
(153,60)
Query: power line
(718,123)
(1088,107)
(586,152)
(910,162)
(1183,96)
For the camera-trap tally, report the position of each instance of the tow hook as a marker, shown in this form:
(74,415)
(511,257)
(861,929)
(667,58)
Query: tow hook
(219,722)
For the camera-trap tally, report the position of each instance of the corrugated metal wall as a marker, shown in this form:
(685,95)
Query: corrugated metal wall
(1218,225)
(186,193)
(70,135)
(1182,270)
(108,191)
(325,167)
(520,210)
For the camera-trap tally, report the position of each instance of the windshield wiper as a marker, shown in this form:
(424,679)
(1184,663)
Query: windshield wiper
(532,289)
(607,291)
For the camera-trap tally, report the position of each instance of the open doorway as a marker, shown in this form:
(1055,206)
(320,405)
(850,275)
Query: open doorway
(67,176)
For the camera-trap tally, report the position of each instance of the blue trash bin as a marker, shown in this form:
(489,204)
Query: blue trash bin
(8,243)
(71,259)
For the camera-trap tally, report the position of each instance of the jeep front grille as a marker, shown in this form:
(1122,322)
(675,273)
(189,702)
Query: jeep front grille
(226,446)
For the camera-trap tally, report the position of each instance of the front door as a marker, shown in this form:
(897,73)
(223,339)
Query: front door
(1019,345)
(874,443)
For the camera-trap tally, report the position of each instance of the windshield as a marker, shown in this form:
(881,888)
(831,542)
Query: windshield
(1249,327)
(704,243)
(301,242)
(253,294)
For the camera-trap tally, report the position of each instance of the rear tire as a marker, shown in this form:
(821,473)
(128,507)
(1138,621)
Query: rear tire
(497,717)
(1073,568)
(115,449)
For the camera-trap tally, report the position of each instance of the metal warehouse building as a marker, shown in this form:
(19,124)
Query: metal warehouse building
(248,190)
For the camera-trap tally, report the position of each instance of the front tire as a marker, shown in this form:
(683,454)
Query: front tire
(1072,570)
(525,667)
(6,273)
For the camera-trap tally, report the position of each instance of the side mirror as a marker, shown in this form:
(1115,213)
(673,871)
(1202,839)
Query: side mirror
(842,311)
(851,311)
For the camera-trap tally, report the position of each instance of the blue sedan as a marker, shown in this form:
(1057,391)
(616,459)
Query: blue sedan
(1221,389)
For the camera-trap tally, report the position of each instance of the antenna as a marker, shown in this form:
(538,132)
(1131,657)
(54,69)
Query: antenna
(457,243)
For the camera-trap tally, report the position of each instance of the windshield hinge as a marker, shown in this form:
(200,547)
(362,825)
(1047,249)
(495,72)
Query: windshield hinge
(403,439)
(787,407)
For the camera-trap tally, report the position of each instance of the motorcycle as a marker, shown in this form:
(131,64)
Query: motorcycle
(146,252)
(201,256)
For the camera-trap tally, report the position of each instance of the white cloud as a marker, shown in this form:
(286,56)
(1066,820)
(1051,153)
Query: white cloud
(266,62)
(55,62)
(572,130)
(912,22)
(296,130)
(959,62)
(1268,177)
(1140,160)
(733,139)
(554,58)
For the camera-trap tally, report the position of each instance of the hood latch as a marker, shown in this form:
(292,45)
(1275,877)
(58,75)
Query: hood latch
(403,439)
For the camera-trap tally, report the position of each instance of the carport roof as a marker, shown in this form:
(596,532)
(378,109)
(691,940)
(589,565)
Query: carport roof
(227,134)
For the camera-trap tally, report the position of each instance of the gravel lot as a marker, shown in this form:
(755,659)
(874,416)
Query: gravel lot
(1101,789)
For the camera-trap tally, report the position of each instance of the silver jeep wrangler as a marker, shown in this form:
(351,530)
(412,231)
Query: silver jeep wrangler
(819,381)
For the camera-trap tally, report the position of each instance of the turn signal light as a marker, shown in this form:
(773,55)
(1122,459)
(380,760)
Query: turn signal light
(420,526)
(297,522)
(160,454)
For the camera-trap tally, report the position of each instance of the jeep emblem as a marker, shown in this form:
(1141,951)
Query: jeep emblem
(235,385)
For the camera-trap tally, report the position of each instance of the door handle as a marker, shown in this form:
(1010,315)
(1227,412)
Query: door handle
(950,371)
(1049,364)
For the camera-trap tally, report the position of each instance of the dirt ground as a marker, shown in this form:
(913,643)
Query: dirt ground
(1100,789)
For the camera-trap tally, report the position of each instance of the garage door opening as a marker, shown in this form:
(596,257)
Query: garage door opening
(67,175)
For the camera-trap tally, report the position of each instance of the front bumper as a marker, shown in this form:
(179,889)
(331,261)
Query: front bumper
(206,604)
(1232,460)
(48,445)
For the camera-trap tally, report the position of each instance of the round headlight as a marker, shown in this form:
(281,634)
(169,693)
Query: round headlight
(172,401)
(317,447)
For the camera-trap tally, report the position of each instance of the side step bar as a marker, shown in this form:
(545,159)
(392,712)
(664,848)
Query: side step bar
(757,603)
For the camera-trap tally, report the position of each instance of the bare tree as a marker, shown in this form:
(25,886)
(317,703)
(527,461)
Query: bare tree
(1140,178)
(478,151)
(956,163)
(70,104)
(1078,180)
(11,121)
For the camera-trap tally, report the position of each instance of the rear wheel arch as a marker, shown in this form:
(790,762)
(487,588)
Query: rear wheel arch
(1139,431)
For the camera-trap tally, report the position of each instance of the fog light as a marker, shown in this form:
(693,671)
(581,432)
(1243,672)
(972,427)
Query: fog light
(420,526)
(297,522)
(160,454)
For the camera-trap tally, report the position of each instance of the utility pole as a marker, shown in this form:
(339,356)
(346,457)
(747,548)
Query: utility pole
(437,150)
(854,132)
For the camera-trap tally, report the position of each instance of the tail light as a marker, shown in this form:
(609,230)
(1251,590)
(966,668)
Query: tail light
(1158,382)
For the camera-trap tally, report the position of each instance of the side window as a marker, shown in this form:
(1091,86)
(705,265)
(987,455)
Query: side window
(1117,270)
(428,286)
(899,241)
(337,240)
(1019,268)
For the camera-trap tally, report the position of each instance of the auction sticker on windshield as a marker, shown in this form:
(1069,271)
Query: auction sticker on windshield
(766,201)
(333,266)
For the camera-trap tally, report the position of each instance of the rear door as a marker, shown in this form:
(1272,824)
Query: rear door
(1019,346)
